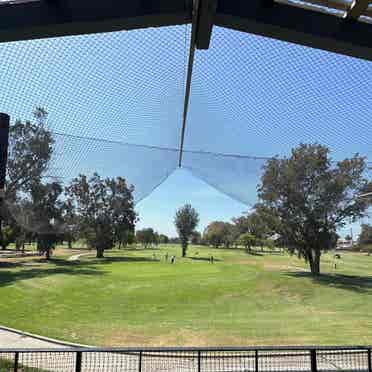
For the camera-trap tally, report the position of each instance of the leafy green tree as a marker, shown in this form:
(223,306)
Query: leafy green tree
(247,240)
(45,215)
(8,236)
(214,233)
(348,238)
(103,207)
(124,237)
(156,238)
(186,221)
(253,223)
(30,151)
(146,237)
(175,240)
(196,238)
(163,239)
(307,197)
(71,222)
(365,238)
(219,233)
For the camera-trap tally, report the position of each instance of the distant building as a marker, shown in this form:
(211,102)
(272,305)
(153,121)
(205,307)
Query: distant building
(344,244)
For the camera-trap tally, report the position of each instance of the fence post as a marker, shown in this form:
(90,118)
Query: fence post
(369,361)
(140,361)
(314,367)
(199,360)
(78,361)
(256,360)
(16,358)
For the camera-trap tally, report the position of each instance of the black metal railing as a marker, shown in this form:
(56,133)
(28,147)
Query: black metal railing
(244,359)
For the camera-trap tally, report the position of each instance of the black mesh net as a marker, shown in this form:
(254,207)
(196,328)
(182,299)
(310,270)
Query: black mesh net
(115,104)
(256,97)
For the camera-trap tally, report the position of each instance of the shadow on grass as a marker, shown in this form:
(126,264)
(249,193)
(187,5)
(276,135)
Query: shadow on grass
(8,277)
(204,259)
(106,260)
(9,265)
(254,253)
(361,284)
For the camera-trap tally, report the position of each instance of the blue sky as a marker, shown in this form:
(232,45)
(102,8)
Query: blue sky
(116,101)
(158,209)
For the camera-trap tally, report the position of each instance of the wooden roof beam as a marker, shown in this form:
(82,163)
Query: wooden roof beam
(357,8)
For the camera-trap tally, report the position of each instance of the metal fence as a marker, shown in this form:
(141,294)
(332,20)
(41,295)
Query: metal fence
(262,359)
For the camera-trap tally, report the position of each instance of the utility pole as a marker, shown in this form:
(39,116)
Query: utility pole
(4,143)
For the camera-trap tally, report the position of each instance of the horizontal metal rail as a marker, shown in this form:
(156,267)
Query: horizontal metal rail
(191,349)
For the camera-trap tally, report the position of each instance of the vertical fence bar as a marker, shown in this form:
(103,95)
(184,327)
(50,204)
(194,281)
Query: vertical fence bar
(16,359)
(199,361)
(140,362)
(256,360)
(314,366)
(369,360)
(78,361)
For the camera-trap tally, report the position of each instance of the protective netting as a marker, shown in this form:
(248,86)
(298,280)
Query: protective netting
(257,97)
(115,104)
(178,360)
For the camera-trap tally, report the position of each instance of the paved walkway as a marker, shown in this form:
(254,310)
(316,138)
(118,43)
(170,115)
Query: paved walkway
(64,361)
(9,339)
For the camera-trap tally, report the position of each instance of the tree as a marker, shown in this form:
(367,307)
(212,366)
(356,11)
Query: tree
(145,237)
(349,239)
(71,221)
(253,223)
(307,197)
(30,151)
(196,238)
(163,239)
(124,237)
(365,236)
(247,240)
(219,233)
(186,220)
(7,236)
(103,207)
(45,216)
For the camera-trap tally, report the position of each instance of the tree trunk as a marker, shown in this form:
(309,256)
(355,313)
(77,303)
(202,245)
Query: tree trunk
(184,249)
(69,244)
(314,261)
(1,229)
(100,253)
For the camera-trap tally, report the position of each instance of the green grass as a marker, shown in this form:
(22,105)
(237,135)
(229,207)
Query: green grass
(8,365)
(242,299)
